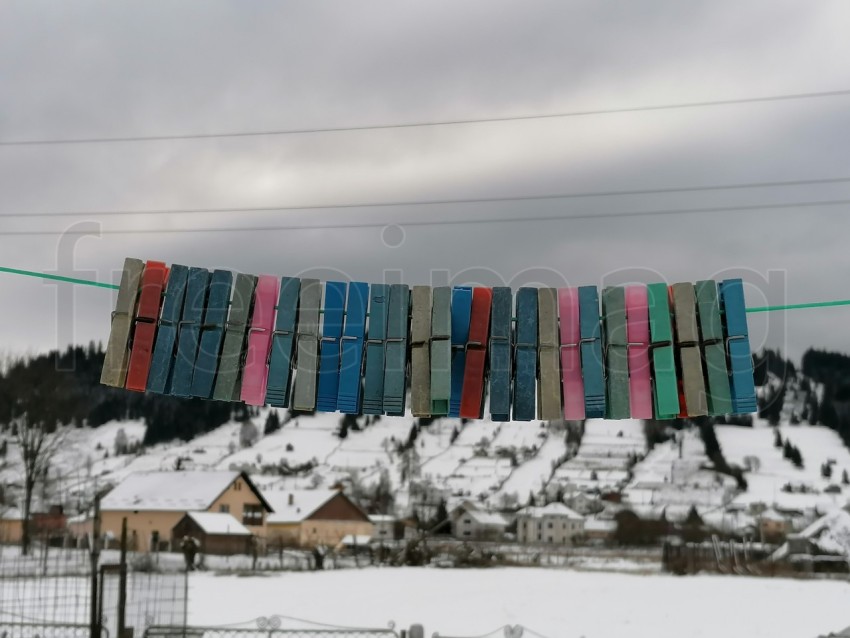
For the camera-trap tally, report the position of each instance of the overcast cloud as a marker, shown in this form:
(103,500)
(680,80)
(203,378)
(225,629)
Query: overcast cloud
(88,69)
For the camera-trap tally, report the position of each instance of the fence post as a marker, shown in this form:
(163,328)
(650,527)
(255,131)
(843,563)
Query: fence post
(122,582)
(94,620)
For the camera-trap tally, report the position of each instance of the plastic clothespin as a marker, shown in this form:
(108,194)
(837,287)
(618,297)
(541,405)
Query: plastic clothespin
(114,372)
(500,354)
(441,365)
(688,349)
(307,346)
(472,393)
(329,358)
(189,331)
(738,346)
(616,352)
(395,364)
(573,382)
(256,370)
(640,381)
(229,378)
(461,310)
(373,387)
(592,364)
(420,352)
(162,360)
(283,343)
(549,406)
(144,331)
(353,338)
(212,334)
(713,349)
(665,386)
(525,355)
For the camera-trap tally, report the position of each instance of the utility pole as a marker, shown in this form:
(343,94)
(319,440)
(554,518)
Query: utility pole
(122,582)
(94,620)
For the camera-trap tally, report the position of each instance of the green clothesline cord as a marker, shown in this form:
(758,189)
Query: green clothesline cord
(97,284)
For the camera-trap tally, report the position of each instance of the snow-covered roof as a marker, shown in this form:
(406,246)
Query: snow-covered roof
(771,514)
(219,523)
(168,491)
(11,514)
(599,525)
(552,509)
(479,515)
(293,506)
(381,518)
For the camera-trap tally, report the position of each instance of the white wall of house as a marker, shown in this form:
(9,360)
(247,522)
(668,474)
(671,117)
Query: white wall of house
(550,529)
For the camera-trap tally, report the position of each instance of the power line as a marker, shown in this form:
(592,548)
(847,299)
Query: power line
(435,202)
(444,222)
(405,125)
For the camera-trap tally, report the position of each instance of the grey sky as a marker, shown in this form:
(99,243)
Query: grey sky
(156,68)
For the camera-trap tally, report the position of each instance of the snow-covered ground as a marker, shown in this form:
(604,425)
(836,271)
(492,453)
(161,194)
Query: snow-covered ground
(552,603)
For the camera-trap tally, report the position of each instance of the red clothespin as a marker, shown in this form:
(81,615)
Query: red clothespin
(150,301)
(472,396)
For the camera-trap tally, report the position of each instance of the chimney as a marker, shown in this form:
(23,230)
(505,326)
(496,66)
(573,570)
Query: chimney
(291,499)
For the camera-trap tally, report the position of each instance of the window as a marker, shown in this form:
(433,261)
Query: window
(467,521)
(549,525)
(550,539)
(224,509)
(237,486)
(252,515)
(467,533)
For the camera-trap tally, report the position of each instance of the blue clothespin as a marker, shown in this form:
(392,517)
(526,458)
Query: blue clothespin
(351,360)
(189,332)
(162,360)
(525,358)
(395,366)
(500,354)
(592,364)
(373,391)
(212,334)
(329,358)
(461,311)
(738,346)
(283,340)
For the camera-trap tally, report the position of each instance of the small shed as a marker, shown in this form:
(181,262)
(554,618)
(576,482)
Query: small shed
(217,533)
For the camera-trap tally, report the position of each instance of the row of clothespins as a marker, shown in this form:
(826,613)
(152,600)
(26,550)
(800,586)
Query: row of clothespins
(654,351)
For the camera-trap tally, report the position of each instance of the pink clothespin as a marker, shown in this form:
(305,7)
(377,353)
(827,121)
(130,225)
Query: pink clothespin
(570,334)
(255,373)
(640,385)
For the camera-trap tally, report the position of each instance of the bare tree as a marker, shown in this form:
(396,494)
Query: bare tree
(37,447)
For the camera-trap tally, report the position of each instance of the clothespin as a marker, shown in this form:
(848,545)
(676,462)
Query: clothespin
(256,371)
(189,331)
(441,366)
(373,390)
(329,358)
(461,310)
(616,352)
(738,346)
(687,345)
(713,349)
(117,355)
(229,377)
(420,352)
(573,383)
(472,393)
(592,366)
(549,384)
(150,299)
(640,382)
(212,334)
(162,361)
(525,354)
(395,364)
(665,388)
(307,345)
(500,354)
(351,366)
(283,342)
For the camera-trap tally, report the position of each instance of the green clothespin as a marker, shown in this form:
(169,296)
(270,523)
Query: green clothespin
(616,352)
(664,385)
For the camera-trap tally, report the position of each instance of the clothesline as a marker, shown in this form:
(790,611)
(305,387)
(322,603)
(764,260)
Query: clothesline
(100,284)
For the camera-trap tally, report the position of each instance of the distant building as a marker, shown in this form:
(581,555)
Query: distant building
(216,532)
(310,518)
(584,503)
(599,531)
(471,522)
(555,524)
(773,526)
(384,527)
(154,502)
(11,526)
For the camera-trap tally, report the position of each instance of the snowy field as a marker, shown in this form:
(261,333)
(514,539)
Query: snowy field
(552,603)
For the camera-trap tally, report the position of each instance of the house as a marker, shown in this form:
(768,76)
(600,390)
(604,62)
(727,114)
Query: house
(309,518)
(384,527)
(773,526)
(583,503)
(11,526)
(470,522)
(216,532)
(599,531)
(555,523)
(154,502)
